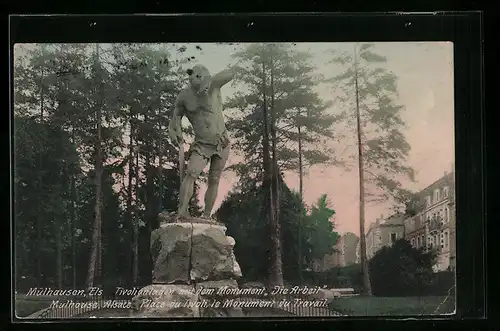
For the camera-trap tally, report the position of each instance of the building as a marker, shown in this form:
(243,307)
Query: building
(433,225)
(348,245)
(358,252)
(415,231)
(329,261)
(384,233)
(453,237)
(344,254)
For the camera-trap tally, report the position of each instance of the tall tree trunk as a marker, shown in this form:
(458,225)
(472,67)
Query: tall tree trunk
(160,181)
(96,234)
(72,229)
(301,194)
(59,259)
(58,241)
(150,199)
(275,176)
(100,250)
(58,216)
(135,259)
(362,237)
(150,213)
(128,215)
(39,221)
(267,168)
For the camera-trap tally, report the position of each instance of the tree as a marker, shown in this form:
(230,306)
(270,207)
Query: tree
(245,224)
(59,92)
(401,270)
(48,89)
(413,205)
(322,236)
(280,83)
(295,105)
(153,79)
(366,97)
(49,188)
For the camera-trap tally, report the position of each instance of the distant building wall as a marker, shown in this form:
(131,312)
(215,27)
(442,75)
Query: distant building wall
(329,261)
(433,227)
(349,243)
(384,233)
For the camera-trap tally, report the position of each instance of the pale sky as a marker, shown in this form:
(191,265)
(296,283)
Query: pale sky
(425,84)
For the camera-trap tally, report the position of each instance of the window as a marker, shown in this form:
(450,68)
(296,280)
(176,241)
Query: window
(436,196)
(413,242)
(427,201)
(446,215)
(393,238)
(445,191)
(446,239)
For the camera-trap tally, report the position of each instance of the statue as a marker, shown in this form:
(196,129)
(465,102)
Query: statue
(201,103)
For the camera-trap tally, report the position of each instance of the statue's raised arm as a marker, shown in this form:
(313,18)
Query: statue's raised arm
(222,78)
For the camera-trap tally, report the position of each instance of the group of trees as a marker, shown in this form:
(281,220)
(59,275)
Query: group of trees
(94,165)
(397,270)
(90,121)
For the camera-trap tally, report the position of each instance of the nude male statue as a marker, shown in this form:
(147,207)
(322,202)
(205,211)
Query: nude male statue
(201,103)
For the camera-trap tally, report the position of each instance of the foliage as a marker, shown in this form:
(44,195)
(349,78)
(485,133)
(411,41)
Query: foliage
(409,270)
(385,148)
(293,100)
(47,183)
(321,235)
(413,204)
(247,226)
(57,91)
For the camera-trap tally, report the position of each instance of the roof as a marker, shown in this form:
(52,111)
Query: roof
(447,179)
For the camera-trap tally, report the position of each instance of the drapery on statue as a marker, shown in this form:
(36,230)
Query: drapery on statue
(201,103)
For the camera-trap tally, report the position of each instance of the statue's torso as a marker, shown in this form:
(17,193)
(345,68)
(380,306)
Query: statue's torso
(205,115)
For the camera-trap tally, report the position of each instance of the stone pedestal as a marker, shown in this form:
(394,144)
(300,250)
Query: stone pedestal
(192,259)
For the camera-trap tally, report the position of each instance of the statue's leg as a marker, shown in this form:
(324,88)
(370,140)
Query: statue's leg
(195,167)
(217,164)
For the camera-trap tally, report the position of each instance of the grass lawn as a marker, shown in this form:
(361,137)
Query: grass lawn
(27,305)
(385,306)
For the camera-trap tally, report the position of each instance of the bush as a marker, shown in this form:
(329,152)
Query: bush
(402,270)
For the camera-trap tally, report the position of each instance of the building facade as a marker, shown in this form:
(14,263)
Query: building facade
(384,233)
(453,219)
(415,231)
(329,261)
(433,225)
(348,245)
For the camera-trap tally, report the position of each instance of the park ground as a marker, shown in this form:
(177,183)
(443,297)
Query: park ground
(394,306)
(351,306)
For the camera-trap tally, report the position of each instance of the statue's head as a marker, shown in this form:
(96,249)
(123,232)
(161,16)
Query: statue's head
(199,78)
